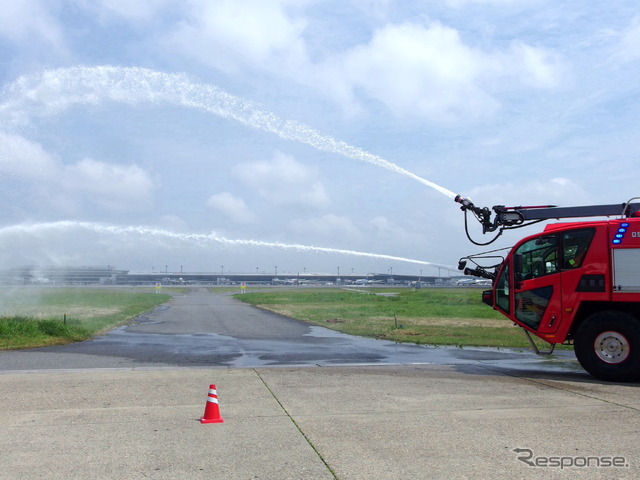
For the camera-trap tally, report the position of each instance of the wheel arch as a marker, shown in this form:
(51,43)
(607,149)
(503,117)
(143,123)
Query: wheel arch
(587,309)
(607,345)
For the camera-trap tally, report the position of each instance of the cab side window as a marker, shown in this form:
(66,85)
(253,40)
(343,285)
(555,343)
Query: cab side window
(575,245)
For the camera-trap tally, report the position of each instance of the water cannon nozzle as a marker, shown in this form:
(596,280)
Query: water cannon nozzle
(465,202)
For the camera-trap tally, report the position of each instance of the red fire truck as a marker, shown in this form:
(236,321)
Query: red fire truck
(574,283)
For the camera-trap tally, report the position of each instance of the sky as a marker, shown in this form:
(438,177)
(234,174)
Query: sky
(304,136)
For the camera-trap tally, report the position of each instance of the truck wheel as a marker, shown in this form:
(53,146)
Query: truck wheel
(607,345)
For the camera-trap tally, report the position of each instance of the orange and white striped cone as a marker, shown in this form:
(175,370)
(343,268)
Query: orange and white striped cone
(211,410)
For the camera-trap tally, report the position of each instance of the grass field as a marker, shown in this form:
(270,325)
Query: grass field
(33,317)
(437,316)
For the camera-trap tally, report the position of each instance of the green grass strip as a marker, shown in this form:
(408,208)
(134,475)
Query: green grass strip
(434,316)
(37,317)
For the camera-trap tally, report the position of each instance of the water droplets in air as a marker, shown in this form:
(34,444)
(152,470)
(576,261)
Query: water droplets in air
(53,91)
(147,235)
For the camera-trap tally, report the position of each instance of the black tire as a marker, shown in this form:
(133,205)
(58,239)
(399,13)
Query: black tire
(607,345)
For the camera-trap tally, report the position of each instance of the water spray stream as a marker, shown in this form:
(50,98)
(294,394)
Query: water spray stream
(145,234)
(55,90)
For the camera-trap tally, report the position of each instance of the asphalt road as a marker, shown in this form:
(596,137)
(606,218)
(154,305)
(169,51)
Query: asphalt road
(411,413)
(207,329)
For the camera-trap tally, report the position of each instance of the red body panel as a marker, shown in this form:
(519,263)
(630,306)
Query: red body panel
(548,305)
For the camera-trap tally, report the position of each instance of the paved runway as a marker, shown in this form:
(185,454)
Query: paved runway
(206,329)
(463,414)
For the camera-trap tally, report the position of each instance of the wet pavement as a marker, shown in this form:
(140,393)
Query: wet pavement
(128,404)
(204,329)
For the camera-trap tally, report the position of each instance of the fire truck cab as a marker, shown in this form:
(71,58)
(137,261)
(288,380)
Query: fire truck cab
(576,282)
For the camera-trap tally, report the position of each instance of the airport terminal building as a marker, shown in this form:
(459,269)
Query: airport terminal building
(111,276)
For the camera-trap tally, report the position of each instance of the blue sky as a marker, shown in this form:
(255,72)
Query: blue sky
(234,133)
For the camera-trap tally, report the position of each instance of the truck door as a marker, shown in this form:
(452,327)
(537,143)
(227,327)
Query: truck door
(536,287)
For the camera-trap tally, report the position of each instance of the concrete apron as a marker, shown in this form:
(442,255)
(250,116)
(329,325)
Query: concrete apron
(382,422)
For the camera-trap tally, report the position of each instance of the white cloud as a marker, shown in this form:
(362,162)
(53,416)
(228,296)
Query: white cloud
(231,206)
(26,20)
(431,72)
(113,187)
(532,66)
(140,10)
(557,191)
(413,70)
(69,187)
(628,47)
(20,157)
(284,181)
(226,33)
(382,224)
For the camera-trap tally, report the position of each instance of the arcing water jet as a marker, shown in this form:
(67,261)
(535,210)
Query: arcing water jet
(53,91)
(146,234)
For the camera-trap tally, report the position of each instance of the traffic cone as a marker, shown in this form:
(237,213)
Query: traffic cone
(211,410)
